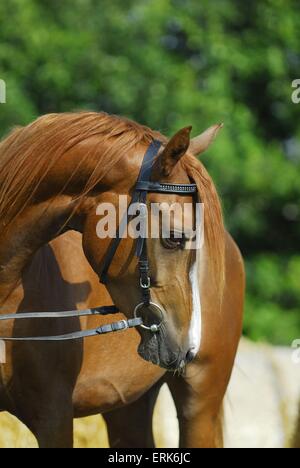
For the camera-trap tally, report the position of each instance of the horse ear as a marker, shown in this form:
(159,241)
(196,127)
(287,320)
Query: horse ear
(200,143)
(174,150)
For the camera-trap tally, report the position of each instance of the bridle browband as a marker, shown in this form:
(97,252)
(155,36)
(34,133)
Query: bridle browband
(143,186)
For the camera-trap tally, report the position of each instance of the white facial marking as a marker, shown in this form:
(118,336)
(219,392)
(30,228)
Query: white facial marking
(196,323)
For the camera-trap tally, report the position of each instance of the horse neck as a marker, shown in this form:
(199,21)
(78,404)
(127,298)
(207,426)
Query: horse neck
(35,227)
(52,214)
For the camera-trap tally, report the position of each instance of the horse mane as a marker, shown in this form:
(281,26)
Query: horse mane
(28,153)
(213,217)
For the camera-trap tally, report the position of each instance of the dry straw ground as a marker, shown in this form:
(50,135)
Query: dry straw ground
(261,407)
(91,432)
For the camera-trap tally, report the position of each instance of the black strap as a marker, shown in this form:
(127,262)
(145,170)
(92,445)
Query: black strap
(109,328)
(147,165)
(138,196)
(144,270)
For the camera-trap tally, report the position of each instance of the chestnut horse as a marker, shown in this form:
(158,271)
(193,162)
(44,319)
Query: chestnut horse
(38,380)
(54,175)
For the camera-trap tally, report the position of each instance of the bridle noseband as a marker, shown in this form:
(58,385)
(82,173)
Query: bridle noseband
(143,186)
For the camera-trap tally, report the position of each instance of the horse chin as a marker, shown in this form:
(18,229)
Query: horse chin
(154,350)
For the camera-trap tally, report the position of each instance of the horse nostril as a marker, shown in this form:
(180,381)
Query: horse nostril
(189,356)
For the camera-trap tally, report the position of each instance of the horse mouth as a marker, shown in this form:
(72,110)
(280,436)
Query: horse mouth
(155,351)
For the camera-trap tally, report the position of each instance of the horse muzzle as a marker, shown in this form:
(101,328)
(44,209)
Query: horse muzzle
(157,349)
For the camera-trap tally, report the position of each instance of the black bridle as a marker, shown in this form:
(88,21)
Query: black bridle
(143,186)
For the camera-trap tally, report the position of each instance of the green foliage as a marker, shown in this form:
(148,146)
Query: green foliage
(170,63)
(272,305)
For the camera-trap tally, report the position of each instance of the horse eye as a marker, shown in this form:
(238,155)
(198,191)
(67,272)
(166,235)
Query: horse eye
(174,243)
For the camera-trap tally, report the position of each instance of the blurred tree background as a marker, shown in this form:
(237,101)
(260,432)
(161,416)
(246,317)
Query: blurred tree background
(171,63)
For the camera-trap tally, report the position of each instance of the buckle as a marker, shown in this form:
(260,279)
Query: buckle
(125,323)
(119,326)
(145,285)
